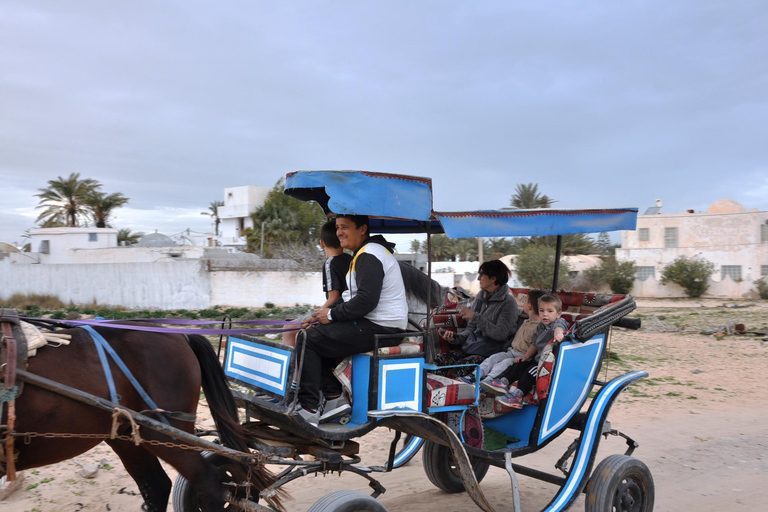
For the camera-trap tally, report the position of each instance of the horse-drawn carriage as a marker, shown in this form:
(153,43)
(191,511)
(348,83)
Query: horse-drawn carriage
(397,384)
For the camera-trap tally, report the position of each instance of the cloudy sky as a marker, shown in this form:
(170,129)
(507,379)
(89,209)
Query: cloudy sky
(168,102)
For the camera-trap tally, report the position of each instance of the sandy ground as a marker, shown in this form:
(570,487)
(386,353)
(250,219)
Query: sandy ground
(700,420)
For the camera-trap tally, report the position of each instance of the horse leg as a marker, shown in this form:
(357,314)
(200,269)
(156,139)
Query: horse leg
(146,471)
(203,477)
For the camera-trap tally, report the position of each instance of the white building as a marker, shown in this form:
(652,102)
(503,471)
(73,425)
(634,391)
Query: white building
(235,215)
(728,235)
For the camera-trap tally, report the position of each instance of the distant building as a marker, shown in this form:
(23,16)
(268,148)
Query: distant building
(235,215)
(728,235)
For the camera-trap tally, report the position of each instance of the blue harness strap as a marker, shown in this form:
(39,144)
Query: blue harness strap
(103,346)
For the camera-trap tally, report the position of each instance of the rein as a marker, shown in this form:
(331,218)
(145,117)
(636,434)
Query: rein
(120,324)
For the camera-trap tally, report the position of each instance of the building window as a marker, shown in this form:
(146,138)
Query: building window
(732,271)
(645,234)
(644,273)
(93,237)
(45,247)
(764,233)
(764,270)
(670,238)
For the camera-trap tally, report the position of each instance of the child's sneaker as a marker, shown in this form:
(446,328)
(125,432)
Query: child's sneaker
(495,386)
(513,399)
(467,379)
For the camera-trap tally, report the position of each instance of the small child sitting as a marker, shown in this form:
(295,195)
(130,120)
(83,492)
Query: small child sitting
(494,365)
(525,368)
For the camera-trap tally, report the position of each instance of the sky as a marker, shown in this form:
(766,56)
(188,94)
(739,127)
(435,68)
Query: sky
(603,104)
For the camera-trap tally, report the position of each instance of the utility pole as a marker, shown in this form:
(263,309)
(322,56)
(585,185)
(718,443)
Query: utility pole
(480,249)
(261,250)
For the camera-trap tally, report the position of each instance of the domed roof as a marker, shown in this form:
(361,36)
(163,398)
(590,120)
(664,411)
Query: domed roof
(156,240)
(725,206)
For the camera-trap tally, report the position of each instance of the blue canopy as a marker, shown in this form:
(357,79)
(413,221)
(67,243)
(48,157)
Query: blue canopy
(385,196)
(538,222)
(397,203)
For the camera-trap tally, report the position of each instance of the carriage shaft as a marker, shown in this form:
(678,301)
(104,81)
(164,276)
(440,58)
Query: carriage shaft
(101,403)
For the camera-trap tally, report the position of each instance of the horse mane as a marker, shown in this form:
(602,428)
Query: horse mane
(417,285)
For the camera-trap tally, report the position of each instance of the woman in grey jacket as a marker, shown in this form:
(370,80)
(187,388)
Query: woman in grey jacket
(492,320)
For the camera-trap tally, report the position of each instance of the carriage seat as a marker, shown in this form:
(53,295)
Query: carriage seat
(576,305)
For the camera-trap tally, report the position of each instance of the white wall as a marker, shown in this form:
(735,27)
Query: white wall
(166,284)
(253,289)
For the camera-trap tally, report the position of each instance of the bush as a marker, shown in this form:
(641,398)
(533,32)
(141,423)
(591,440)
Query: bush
(762,287)
(535,267)
(33,301)
(690,273)
(620,276)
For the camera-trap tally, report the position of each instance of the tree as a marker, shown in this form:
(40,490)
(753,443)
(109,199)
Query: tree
(101,205)
(535,267)
(603,244)
(214,209)
(125,235)
(442,248)
(286,221)
(572,244)
(415,246)
(66,200)
(465,249)
(620,276)
(690,273)
(495,248)
(527,197)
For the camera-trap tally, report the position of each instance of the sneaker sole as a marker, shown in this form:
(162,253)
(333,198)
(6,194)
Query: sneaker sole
(335,413)
(493,389)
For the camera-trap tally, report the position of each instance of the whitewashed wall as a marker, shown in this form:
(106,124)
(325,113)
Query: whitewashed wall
(172,284)
(253,289)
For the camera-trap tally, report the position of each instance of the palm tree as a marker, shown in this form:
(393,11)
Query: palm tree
(214,209)
(125,235)
(527,197)
(65,200)
(101,206)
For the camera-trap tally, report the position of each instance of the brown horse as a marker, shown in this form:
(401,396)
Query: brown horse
(171,368)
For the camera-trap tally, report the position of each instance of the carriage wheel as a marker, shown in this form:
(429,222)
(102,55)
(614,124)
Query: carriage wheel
(347,501)
(441,468)
(407,448)
(620,484)
(184,496)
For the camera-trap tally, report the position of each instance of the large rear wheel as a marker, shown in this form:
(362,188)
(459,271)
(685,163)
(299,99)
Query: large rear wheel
(620,484)
(442,470)
(347,501)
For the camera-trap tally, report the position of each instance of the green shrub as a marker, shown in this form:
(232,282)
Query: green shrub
(535,267)
(690,273)
(236,312)
(620,276)
(762,287)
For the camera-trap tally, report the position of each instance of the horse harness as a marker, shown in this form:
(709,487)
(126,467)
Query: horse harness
(13,355)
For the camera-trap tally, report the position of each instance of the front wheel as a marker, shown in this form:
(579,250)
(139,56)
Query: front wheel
(620,484)
(347,501)
(442,470)
(184,497)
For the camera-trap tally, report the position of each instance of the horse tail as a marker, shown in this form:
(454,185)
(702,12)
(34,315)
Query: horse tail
(223,407)
(417,285)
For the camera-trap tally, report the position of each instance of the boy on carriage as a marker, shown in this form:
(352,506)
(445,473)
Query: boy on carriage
(373,303)
(334,274)
(525,368)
